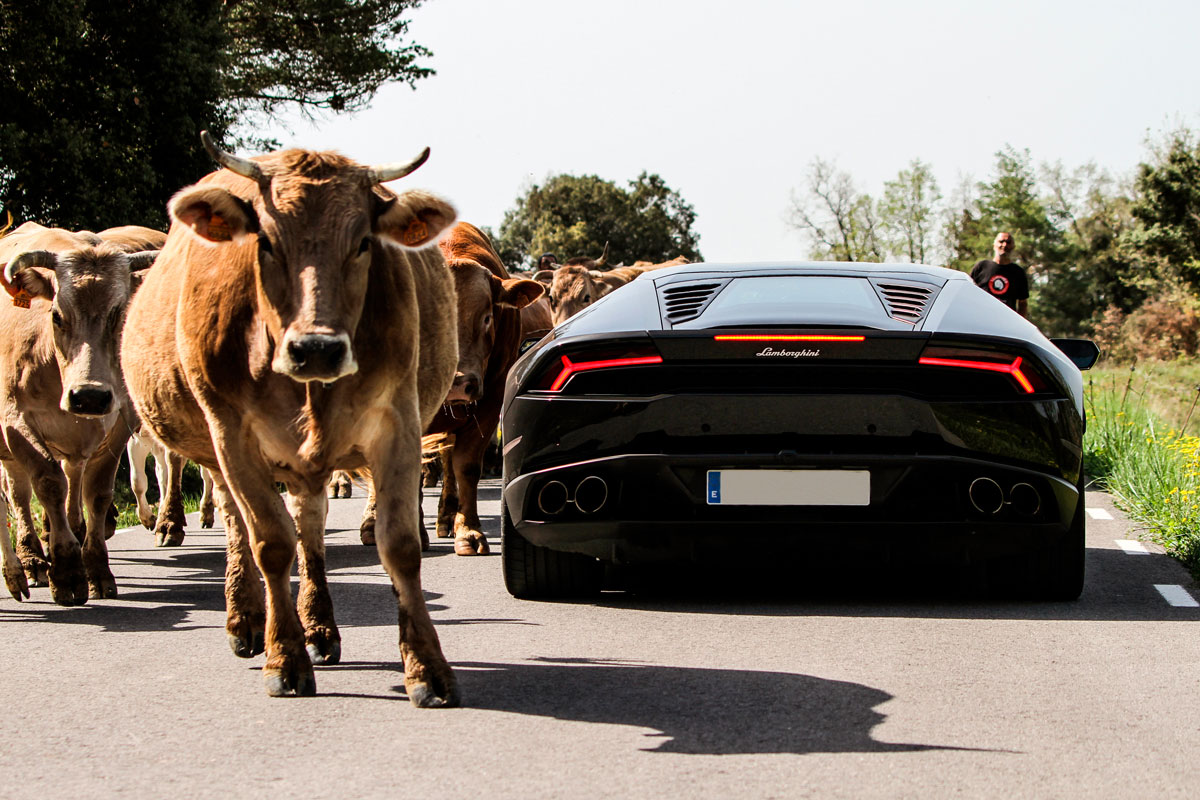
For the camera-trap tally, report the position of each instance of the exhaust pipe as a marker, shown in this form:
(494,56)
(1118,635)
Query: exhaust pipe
(986,495)
(552,498)
(591,494)
(1025,499)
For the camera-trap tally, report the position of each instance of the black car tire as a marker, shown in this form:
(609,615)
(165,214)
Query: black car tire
(534,573)
(1058,575)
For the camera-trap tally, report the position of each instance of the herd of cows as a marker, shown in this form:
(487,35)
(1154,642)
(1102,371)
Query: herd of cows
(295,321)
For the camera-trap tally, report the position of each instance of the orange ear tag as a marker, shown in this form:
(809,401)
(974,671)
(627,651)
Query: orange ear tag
(416,233)
(20,297)
(218,229)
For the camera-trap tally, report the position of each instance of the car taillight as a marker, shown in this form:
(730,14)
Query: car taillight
(1024,374)
(567,365)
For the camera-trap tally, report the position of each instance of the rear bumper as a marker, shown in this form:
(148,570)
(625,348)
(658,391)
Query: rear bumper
(652,507)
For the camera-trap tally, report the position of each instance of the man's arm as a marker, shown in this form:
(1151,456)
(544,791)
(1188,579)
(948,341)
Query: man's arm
(1023,308)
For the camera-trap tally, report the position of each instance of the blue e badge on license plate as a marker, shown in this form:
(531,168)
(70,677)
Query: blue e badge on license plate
(789,487)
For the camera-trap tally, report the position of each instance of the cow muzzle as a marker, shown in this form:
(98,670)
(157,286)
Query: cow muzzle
(315,357)
(466,389)
(88,400)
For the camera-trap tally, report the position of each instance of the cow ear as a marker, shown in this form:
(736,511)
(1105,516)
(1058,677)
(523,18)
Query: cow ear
(414,219)
(139,268)
(518,292)
(213,214)
(31,274)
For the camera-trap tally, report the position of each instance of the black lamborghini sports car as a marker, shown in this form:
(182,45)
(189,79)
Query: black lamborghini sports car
(687,413)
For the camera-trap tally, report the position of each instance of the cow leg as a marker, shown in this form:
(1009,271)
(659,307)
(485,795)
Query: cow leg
(448,501)
(171,518)
(245,608)
(315,606)
(467,462)
(206,499)
(14,574)
(37,470)
(139,479)
(428,679)
(74,473)
(98,480)
(366,529)
(288,670)
(29,545)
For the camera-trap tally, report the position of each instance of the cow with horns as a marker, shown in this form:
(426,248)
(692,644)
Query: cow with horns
(295,324)
(63,399)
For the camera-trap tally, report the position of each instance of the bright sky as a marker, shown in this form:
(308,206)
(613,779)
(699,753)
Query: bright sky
(730,101)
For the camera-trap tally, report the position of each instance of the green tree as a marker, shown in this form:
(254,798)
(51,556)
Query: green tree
(842,224)
(908,213)
(103,101)
(571,215)
(1167,208)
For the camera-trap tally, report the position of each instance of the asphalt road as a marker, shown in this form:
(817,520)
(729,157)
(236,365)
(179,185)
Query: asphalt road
(857,690)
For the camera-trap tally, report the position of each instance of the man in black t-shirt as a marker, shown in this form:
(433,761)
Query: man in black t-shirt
(1004,279)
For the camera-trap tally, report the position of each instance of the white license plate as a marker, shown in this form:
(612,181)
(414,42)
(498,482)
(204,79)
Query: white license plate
(789,487)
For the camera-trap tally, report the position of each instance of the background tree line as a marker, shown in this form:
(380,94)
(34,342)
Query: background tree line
(1115,257)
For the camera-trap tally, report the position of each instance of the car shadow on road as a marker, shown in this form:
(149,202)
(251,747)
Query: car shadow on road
(692,711)
(1117,587)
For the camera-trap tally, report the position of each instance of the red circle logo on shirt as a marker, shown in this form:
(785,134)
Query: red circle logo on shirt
(998,284)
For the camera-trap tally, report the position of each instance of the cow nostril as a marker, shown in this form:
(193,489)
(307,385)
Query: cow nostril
(317,350)
(89,400)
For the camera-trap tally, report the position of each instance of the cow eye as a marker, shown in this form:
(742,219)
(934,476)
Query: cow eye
(487,321)
(264,246)
(365,245)
(587,298)
(56,318)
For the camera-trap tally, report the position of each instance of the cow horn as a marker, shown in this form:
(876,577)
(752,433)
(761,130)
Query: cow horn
(242,166)
(600,262)
(390,172)
(7,225)
(30,258)
(142,260)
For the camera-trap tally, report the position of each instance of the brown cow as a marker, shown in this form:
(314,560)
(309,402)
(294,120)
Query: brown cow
(489,335)
(295,325)
(580,282)
(63,399)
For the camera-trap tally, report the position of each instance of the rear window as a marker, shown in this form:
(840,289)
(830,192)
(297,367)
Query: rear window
(797,300)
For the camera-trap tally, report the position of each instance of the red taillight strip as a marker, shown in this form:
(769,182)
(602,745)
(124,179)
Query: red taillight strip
(570,368)
(1013,369)
(738,337)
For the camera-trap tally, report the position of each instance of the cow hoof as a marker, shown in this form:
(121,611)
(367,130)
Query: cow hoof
(325,652)
(69,594)
(473,545)
(282,684)
(206,519)
(423,695)
(445,533)
(148,522)
(246,645)
(168,538)
(367,534)
(18,585)
(105,589)
(37,570)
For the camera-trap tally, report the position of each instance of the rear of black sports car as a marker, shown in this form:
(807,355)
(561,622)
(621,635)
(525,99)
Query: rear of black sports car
(813,407)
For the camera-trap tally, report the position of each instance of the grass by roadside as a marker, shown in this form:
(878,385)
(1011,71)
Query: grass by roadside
(1141,447)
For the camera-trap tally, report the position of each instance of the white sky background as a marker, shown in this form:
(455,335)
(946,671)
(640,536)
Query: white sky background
(730,101)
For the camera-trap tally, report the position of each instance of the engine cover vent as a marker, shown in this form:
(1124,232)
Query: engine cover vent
(685,301)
(905,301)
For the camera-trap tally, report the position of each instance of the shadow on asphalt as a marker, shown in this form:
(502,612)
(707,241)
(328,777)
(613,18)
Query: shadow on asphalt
(695,711)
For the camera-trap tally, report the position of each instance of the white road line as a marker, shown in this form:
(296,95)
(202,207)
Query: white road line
(127,530)
(1132,547)
(1176,595)
(1099,513)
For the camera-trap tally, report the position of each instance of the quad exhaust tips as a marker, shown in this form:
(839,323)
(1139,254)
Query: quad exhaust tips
(988,497)
(589,496)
